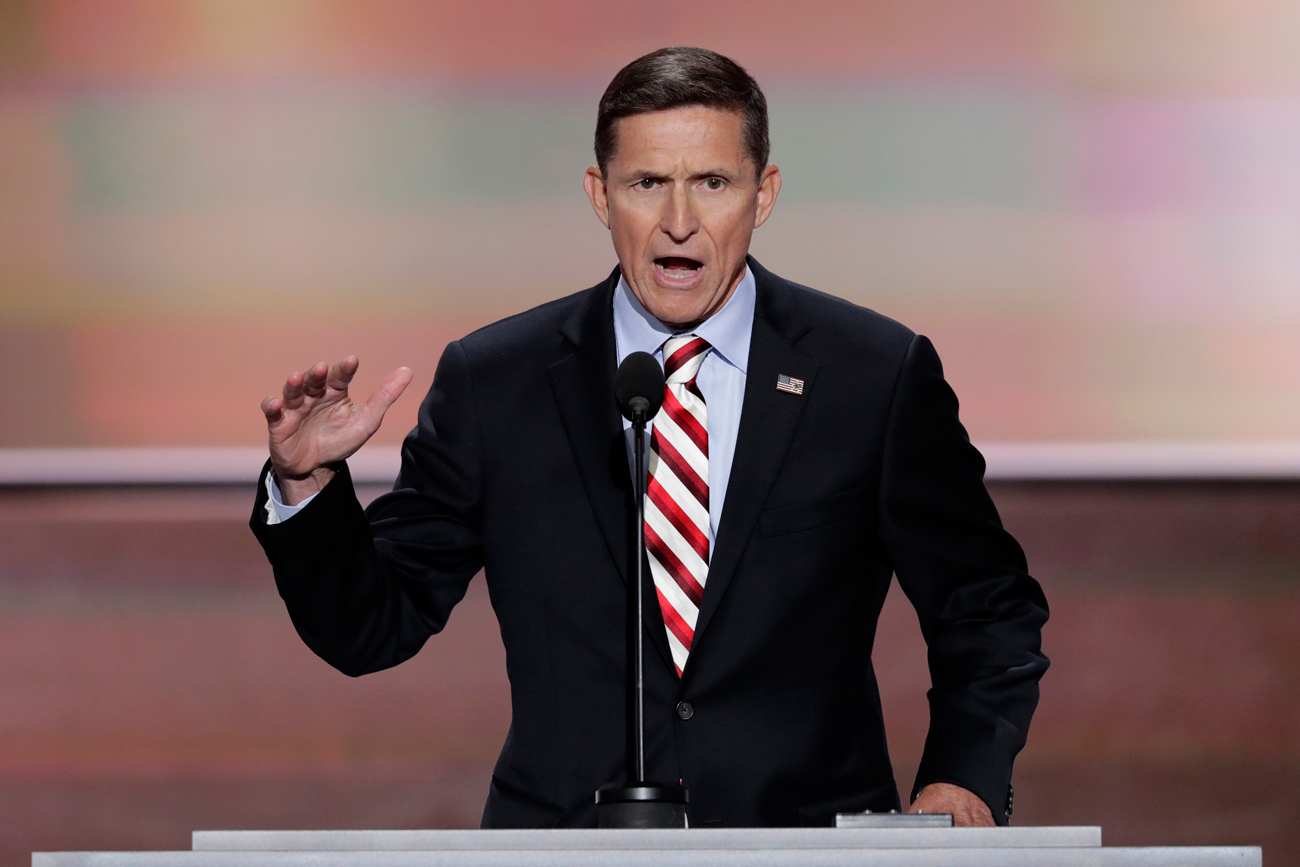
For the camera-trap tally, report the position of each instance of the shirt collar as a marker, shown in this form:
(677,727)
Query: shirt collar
(728,331)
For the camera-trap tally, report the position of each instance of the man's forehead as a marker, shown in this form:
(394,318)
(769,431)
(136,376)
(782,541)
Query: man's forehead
(691,134)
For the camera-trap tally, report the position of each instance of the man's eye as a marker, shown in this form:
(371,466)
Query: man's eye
(714,183)
(646,183)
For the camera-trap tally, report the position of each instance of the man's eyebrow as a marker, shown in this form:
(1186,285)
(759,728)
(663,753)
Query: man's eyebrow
(718,172)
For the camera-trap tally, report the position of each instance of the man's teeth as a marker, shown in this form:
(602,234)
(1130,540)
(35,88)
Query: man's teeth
(678,271)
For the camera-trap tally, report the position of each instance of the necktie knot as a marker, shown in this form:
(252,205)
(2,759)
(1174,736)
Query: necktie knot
(682,358)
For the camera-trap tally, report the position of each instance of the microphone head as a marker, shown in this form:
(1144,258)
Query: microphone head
(639,378)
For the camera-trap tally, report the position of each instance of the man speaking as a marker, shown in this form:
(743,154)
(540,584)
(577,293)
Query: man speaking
(807,450)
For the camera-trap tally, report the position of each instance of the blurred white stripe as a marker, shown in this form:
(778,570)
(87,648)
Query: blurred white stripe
(1007,461)
(1142,460)
(168,466)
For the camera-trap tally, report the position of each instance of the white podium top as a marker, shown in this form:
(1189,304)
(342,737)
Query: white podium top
(1078,856)
(624,840)
(714,847)
(620,840)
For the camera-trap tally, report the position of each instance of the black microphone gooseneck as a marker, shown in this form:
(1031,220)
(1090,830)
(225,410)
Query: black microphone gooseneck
(639,407)
(639,389)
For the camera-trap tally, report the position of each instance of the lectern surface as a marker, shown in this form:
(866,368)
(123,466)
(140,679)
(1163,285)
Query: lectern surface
(610,839)
(1078,856)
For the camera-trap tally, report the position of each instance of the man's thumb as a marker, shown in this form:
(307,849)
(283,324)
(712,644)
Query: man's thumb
(389,389)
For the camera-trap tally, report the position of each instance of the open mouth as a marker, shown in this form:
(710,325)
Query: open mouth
(678,267)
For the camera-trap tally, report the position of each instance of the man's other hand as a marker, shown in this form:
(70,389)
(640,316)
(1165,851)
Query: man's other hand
(967,808)
(315,424)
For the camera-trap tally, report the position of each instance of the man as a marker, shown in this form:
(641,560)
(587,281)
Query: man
(807,449)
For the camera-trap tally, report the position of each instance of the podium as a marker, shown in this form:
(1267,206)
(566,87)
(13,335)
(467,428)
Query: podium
(724,847)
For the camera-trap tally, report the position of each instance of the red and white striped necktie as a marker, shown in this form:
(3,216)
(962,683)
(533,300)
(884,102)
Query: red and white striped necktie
(677,496)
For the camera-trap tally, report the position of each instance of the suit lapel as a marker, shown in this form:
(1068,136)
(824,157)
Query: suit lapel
(768,421)
(583,382)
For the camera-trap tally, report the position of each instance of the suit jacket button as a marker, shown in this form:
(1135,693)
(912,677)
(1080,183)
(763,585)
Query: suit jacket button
(684,710)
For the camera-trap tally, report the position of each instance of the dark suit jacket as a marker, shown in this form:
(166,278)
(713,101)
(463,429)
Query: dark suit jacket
(518,467)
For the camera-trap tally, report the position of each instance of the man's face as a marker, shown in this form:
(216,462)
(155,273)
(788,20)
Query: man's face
(681,201)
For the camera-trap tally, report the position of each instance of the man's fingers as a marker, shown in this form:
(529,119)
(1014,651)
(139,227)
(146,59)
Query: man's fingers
(388,390)
(293,388)
(313,384)
(967,809)
(272,408)
(341,374)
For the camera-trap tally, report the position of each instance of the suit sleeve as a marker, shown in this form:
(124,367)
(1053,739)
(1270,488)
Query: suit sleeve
(366,589)
(980,611)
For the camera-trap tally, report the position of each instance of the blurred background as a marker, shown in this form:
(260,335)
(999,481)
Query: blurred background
(1092,208)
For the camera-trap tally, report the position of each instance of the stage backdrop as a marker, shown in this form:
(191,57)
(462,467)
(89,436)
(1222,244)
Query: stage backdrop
(1093,208)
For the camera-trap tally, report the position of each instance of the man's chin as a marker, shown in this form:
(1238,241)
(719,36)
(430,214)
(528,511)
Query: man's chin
(678,306)
(678,315)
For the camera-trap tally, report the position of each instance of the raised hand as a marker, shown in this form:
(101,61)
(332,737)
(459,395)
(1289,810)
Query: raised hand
(315,424)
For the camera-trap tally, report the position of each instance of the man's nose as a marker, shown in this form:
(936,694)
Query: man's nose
(679,220)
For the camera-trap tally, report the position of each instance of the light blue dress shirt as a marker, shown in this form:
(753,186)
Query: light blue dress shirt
(721,378)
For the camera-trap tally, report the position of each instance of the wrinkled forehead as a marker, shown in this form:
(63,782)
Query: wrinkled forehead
(689,139)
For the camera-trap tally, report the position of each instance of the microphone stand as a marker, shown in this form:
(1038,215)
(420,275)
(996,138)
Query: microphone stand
(639,804)
(639,407)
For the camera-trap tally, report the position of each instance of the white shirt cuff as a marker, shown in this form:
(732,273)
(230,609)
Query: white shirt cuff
(276,510)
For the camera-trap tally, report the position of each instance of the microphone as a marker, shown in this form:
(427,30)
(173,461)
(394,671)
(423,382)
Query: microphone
(639,390)
(639,386)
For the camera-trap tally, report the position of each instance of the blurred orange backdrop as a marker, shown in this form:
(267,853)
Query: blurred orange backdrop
(1094,209)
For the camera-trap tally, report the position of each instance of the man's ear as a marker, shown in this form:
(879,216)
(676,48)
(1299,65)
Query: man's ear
(769,185)
(594,183)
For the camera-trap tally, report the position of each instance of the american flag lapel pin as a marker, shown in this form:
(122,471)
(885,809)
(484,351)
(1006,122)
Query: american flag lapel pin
(789,384)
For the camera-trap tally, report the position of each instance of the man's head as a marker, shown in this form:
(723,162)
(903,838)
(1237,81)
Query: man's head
(682,178)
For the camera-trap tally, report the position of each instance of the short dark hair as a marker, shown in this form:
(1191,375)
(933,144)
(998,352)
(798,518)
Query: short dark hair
(680,77)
